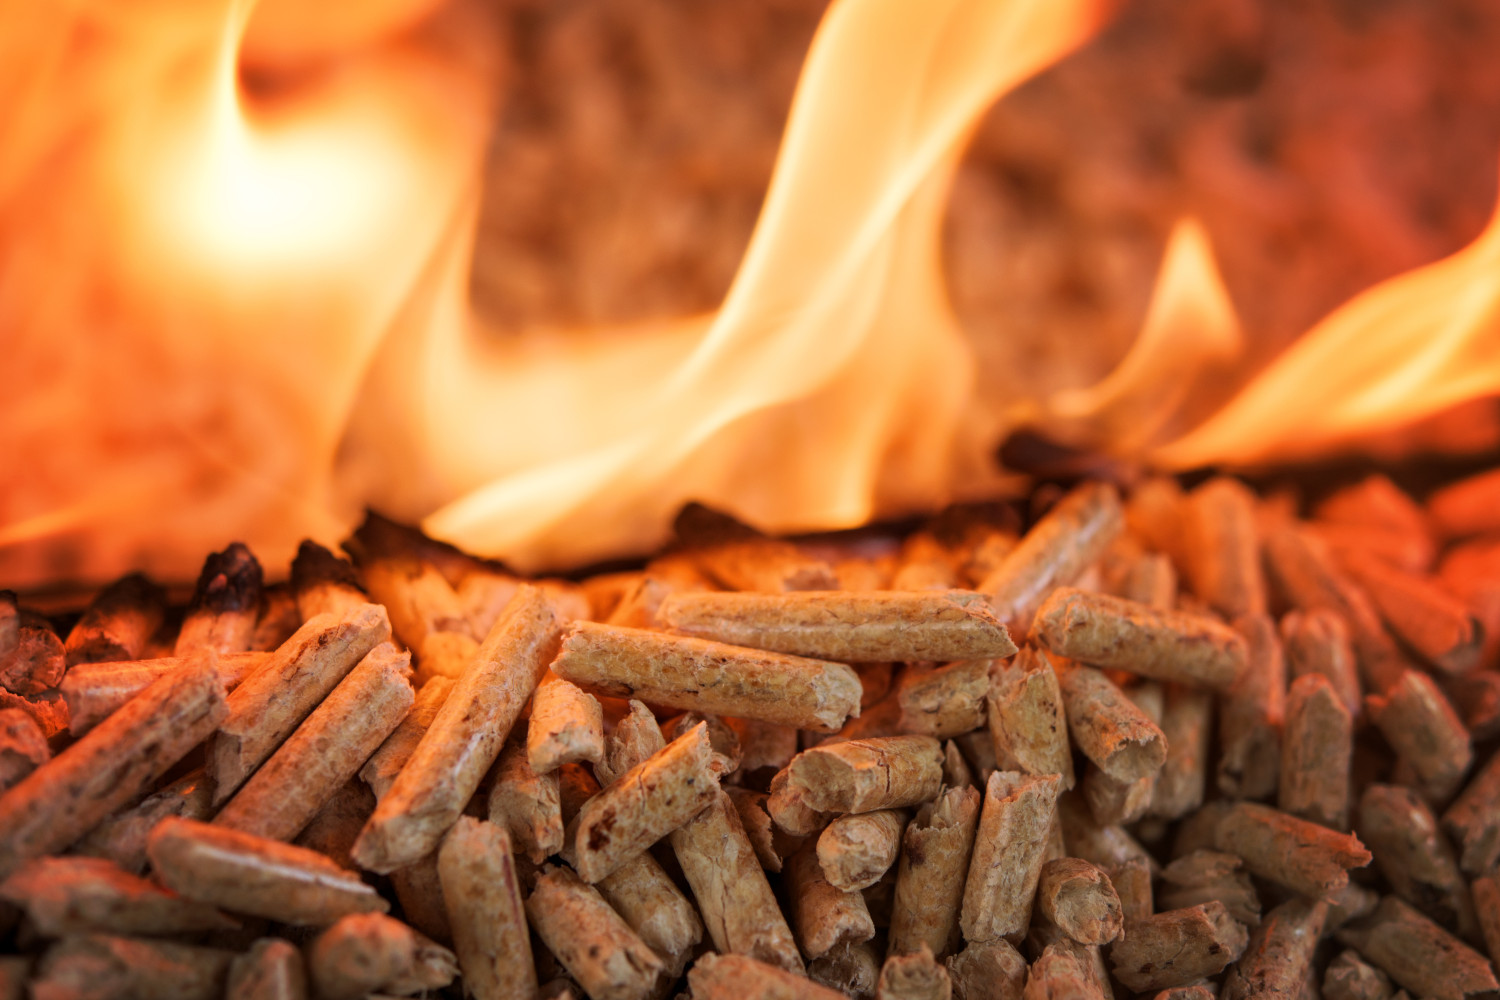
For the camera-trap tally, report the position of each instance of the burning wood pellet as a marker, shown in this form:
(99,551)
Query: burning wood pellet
(864,775)
(32,659)
(119,760)
(1080,900)
(705,676)
(855,851)
(566,726)
(1418,954)
(483,897)
(590,939)
(847,626)
(1027,721)
(102,965)
(269,704)
(367,953)
(1176,947)
(1009,849)
(1316,747)
(1305,857)
(1112,632)
(646,803)
(913,976)
(323,583)
(731,977)
(326,750)
(465,737)
(63,896)
(1317,642)
(736,902)
(823,915)
(272,969)
(1064,543)
(226,604)
(242,873)
(120,622)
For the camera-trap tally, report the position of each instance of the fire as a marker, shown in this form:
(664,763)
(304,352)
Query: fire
(239,310)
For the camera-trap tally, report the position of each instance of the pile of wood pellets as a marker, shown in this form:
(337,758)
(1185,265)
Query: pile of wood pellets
(1176,743)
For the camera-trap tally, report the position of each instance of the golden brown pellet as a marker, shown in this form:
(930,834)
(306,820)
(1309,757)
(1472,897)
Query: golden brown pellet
(122,836)
(72,895)
(23,746)
(1349,977)
(269,704)
(1473,820)
(483,898)
(567,726)
(925,564)
(1113,801)
(846,626)
(734,898)
(1251,714)
(856,850)
(1108,727)
(271,970)
(119,623)
(1074,533)
(1421,726)
(1186,724)
(1304,571)
(1132,882)
(987,970)
(1413,855)
(1316,746)
(1009,849)
(1305,857)
(1108,631)
(420,600)
(1027,722)
(94,691)
(1175,947)
(332,830)
(1210,876)
(1221,543)
(1105,845)
(484,593)
(740,977)
(1060,973)
(1418,954)
(851,969)
(370,952)
(635,737)
(445,654)
(391,756)
(243,873)
(864,775)
(528,805)
(787,806)
(102,965)
(1151,580)
(1423,616)
(822,915)
(419,891)
(1317,642)
(956,770)
(773,845)
(119,760)
(645,804)
(593,943)
(465,737)
(279,618)
(699,675)
(944,701)
(326,750)
(1079,899)
(648,899)
(725,743)
(1277,960)
(31,654)
(225,606)
(1486,894)
(930,878)
(913,976)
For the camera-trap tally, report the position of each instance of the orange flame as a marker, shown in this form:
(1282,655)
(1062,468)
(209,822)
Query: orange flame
(1405,349)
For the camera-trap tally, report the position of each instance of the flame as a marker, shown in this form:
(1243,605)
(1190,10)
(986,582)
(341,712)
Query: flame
(1190,330)
(1408,348)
